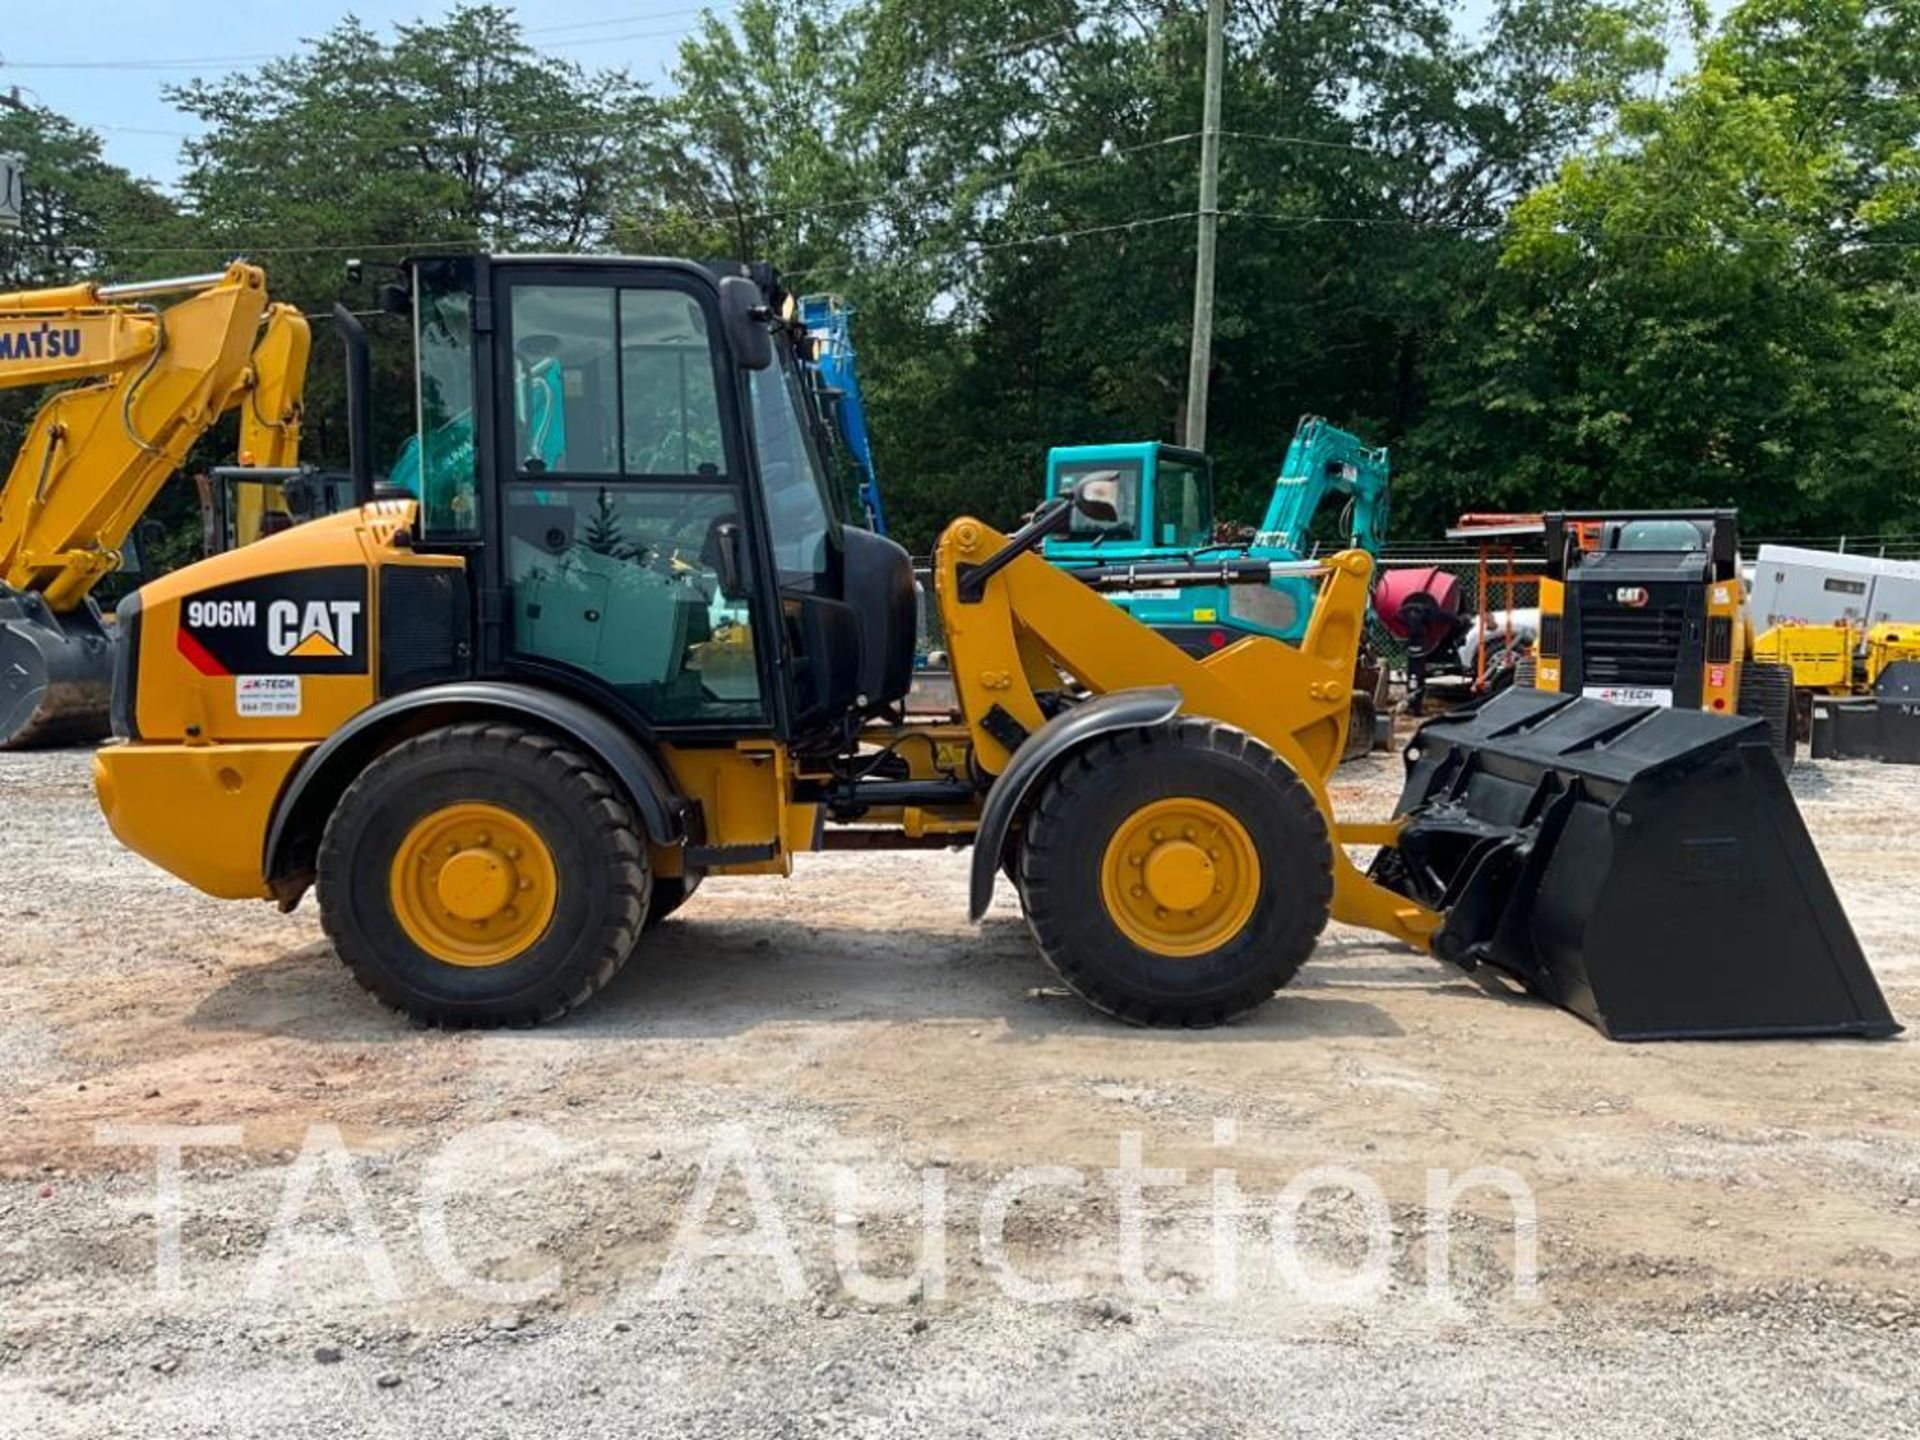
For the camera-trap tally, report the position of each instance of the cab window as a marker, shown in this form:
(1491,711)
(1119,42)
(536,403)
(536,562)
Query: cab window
(622,526)
(437,464)
(1183,505)
(1126,523)
(793,480)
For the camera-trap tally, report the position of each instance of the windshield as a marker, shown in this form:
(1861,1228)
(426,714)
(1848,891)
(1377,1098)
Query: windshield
(1126,523)
(1660,536)
(799,505)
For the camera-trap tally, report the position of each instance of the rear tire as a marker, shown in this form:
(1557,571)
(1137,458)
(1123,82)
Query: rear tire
(1766,692)
(546,841)
(1223,794)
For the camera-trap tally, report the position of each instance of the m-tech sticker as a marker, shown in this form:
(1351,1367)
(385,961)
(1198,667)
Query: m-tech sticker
(270,695)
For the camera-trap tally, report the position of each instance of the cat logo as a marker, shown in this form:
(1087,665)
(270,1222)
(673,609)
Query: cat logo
(1633,597)
(317,630)
(311,623)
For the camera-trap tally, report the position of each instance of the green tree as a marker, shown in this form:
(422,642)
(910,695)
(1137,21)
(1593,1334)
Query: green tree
(83,218)
(1714,303)
(454,134)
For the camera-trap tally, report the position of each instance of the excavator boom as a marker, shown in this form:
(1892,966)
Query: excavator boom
(144,384)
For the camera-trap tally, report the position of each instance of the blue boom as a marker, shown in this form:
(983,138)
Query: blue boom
(828,322)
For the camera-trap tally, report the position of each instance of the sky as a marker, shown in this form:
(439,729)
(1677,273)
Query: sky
(105,62)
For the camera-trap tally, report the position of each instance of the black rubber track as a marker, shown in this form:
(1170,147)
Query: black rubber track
(598,852)
(1766,691)
(1080,807)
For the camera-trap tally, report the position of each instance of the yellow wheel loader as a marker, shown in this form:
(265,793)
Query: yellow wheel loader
(508,725)
(152,381)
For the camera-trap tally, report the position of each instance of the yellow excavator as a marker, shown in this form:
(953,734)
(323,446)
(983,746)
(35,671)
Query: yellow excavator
(141,384)
(623,642)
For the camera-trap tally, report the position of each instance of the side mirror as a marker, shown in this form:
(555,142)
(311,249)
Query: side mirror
(1098,498)
(743,314)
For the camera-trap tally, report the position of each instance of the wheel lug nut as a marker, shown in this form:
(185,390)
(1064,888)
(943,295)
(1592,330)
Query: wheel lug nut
(1188,833)
(1158,836)
(513,852)
(525,884)
(511,912)
(483,838)
(1159,912)
(1136,860)
(1138,891)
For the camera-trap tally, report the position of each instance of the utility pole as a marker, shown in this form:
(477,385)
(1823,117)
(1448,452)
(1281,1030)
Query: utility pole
(1200,361)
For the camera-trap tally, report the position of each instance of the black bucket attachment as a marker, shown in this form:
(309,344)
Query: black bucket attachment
(1643,868)
(1884,726)
(56,673)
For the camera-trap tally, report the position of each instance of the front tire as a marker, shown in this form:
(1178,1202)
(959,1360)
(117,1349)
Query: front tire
(483,874)
(1176,876)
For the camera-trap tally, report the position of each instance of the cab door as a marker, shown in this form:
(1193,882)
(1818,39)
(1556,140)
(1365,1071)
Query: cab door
(626,562)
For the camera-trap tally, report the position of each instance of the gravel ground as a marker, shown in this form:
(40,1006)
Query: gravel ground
(407,1233)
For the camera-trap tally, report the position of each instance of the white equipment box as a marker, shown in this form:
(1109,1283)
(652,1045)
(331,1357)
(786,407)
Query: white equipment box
(1820,587)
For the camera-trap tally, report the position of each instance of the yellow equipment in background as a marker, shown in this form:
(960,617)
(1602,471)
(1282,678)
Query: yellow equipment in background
(152,382)
(507,725)
(1836,661)
(1649,608)
(1887,644)
(1820,656)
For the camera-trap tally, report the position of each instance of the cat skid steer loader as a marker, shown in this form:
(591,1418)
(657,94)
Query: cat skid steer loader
(509,725)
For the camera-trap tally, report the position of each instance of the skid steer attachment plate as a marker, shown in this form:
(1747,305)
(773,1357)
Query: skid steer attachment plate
(1643,868)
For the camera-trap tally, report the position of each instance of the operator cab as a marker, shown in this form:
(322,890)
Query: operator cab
(628,454)
(1163,500)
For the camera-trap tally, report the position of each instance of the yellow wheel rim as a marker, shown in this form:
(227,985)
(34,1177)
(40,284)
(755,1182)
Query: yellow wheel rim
(473,885)
(1180,876)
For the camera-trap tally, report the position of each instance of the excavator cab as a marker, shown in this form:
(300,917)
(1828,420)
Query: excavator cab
(1166,517)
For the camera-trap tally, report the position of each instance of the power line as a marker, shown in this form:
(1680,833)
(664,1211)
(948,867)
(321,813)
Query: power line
(1040,168)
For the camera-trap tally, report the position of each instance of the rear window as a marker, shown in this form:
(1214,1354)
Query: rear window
(1660,535)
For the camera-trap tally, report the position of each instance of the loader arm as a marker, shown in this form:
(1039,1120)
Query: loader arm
(1032,623)
(1324,460)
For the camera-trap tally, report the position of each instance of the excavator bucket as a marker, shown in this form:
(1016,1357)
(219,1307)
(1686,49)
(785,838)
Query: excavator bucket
(56,673)
(1644,868)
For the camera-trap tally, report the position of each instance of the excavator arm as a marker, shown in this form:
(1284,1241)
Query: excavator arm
(1324,460)
(144,384)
